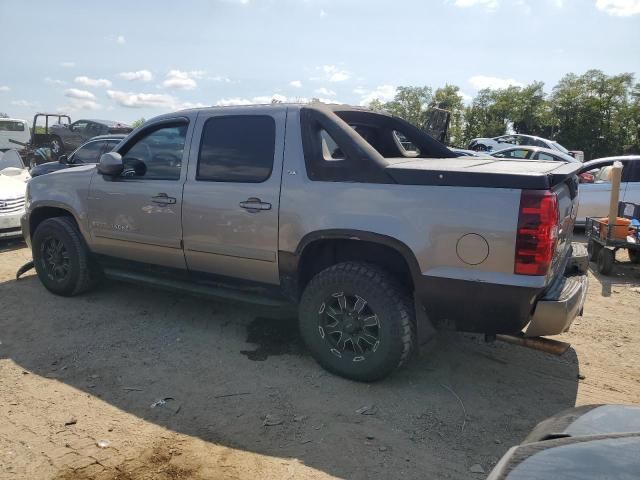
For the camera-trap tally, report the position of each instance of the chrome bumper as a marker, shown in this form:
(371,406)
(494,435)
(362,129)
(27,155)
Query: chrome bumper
(556,310)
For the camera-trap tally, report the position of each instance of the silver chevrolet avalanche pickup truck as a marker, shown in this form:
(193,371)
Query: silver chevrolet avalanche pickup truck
(375,231)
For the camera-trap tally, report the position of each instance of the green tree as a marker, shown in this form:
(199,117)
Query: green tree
(3,115)
(138,122)
(410,103)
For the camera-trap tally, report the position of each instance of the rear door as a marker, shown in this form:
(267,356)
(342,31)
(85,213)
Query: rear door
(231,197)
(137,215)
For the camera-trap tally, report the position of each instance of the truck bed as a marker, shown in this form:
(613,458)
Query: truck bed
(481,172)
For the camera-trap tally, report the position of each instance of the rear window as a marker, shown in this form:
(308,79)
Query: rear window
(237,149)
(11,126)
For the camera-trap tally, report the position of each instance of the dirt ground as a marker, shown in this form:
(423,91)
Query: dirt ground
(81,380)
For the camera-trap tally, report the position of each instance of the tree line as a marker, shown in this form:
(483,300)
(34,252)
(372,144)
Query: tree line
(593,112)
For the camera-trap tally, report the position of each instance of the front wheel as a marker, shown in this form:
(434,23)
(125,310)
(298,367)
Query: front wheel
(61,258)
(357,321)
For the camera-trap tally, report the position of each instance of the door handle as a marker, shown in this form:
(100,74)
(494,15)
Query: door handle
(255,205)
(163,199)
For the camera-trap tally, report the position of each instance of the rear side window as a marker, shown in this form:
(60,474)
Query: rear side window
(11,126)
(237,149)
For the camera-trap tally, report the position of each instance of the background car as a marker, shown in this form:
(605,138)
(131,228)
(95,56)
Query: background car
(88,152)
(13,129)
(595,196)
(13,185)
(504,141)
(533,153)
(69,137)
(588,442)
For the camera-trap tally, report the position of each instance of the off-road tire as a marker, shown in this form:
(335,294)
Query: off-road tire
(391,304)
(606,259)
(82,273)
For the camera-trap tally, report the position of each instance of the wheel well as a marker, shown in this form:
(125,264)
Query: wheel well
(321,254)
(41,214)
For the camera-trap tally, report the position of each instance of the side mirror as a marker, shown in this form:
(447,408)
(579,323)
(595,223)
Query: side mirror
(63,159)
(110,164)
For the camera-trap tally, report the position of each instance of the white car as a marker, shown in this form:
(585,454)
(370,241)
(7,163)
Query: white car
(13,129)
(504,141)
(595,197)
(13,185)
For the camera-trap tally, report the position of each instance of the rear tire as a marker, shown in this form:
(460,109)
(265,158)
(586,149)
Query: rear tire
(593,248)
(357,322)
(606,258)
(61,258)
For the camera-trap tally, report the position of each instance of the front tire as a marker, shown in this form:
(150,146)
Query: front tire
(61,257)
(357,322)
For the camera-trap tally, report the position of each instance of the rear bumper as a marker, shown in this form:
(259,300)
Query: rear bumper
(564,301)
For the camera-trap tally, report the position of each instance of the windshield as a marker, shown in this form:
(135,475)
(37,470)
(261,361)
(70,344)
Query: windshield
(10,159)
(559,147)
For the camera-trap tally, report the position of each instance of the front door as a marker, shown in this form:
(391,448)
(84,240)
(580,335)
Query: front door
(137,215)
(231,197)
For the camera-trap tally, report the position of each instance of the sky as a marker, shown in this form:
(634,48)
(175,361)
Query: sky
(123,60)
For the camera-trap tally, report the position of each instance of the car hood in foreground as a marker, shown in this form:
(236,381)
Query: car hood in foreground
(13,182)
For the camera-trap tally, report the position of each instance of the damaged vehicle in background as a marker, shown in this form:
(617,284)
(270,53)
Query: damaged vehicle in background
(591,442)
(13,184)
(66,138)
(359,220)
(504,141)
(89,152)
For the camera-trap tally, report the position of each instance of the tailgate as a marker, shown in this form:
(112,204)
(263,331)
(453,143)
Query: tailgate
(567,192)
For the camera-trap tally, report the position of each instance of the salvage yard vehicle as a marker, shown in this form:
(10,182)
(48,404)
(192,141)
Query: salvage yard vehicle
(70,137)
(13,129)
(290,205)
(88,152)
(595,196)
(504,141)
(590,442)
(13,178)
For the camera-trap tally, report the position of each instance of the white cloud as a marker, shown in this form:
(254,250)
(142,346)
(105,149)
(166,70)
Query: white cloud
(466,98)
(480,82)
(92,82)
(4,88)
(182,80)
(335,74)
(260,99)
(383,93)
(84,105)
(489,4)
(325,91)
(140,100)
(68,64)
(524,6)
(138,75)
(323,13)
(619,8)
(53,81)
(220,78)
(23,103)
(120,40)
(79,94)
(295,83)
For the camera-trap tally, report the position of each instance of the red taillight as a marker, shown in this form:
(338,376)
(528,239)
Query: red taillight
(538,220)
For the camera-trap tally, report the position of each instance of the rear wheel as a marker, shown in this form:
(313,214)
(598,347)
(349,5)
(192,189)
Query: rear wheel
(61,258)
(357,322)
(606,258)
(593,248)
